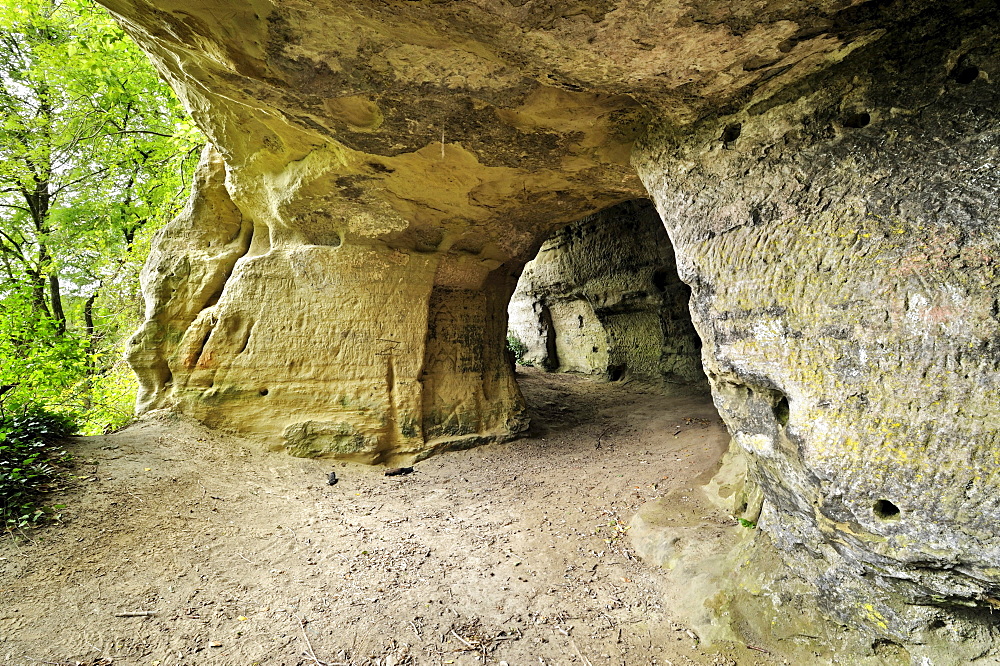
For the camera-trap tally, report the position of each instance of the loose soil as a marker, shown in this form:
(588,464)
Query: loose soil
(181,545)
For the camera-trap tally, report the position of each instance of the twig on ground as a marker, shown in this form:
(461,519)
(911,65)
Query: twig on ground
(586,661)
(309,647)
(416,631)
(465,642)
(759,649)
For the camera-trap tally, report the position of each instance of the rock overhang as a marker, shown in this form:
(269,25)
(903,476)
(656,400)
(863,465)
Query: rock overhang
(436,144)
(449,119)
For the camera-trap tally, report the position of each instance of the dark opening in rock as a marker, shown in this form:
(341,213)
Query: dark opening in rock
(886,510)
(781,412)
(616,372)
(965,74)
(660,277)
(263,391)
(857,120)
(731,133)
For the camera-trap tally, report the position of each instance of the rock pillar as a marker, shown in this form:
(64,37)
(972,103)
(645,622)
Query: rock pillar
(321,345)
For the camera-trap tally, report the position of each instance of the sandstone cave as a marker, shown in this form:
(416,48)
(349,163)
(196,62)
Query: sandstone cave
(381,171)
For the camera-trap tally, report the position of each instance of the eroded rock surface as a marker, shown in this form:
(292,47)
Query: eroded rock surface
(400,161)
(827,174)
(603,297)
(842,253)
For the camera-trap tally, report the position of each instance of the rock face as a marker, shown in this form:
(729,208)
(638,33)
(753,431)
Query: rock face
(826,171)
(603,297)
(842,252)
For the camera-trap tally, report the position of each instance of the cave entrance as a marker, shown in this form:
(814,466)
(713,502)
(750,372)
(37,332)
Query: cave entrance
(602,297)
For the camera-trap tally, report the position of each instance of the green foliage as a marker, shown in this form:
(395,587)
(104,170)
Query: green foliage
(518,349)
(39,364)
(29,464)
(95,155)
(749,524)
(112,400)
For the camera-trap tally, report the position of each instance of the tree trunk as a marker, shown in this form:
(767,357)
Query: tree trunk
(88,322)
(55,297)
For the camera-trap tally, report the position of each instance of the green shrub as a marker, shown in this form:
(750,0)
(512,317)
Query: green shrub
(111,400)
(517,348)
(30,460)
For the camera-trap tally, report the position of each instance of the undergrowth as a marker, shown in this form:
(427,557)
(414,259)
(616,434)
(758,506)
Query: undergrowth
(517,348)
(31,460)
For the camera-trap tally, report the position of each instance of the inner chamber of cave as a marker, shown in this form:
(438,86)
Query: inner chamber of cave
(602,297)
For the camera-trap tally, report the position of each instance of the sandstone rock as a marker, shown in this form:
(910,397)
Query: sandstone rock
(603,297)
(844,284)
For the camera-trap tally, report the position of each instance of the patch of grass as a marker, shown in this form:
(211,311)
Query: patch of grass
(749,524)
(30,463)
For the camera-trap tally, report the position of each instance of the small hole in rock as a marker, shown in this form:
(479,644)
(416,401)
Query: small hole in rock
(885,509)
(616,372)
(965,74)
(857,120)
(732,132)
(781,412)
(263,391)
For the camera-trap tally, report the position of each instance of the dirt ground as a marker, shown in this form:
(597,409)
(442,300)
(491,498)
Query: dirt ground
(183,546)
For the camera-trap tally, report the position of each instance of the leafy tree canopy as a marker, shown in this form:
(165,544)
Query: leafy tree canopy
(95,153)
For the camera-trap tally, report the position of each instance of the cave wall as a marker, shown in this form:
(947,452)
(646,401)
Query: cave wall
(842,251)
(602,297)
(357,351)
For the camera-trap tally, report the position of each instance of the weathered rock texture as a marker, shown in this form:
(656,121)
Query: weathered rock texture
(603,297)
(842,252)
(399,162)
(826,171)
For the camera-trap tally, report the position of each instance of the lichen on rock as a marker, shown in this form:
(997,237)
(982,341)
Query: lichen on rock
(845,292)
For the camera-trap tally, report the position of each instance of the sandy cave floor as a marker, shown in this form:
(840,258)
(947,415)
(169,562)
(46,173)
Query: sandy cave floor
(513,553)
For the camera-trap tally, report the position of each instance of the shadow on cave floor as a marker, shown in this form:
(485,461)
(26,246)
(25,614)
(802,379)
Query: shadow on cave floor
(224,553)
(563,401)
